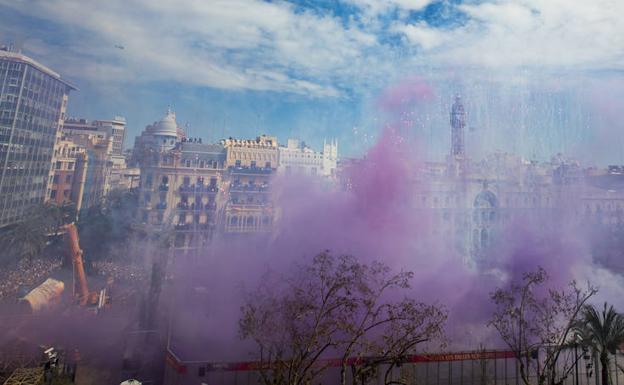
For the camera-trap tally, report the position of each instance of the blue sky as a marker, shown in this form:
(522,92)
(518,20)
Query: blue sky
(538,76)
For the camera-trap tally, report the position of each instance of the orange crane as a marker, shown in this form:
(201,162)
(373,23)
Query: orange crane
(81,289)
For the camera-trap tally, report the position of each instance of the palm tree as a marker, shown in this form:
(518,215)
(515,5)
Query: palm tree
(29,237)
(602,331)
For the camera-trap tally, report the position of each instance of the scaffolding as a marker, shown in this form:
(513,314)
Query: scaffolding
(25,376)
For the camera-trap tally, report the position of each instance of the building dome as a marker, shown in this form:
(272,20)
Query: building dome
(167,126)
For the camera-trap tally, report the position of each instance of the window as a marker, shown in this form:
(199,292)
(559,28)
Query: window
(237,163)
(70,166)
(187,181)
(253,164)
(148,180)
(202,371)
(52,194)
(58,165)
(66,193)
(55,179)
(267,165)
(68,178)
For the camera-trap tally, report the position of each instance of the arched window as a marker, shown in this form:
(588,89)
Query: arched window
(233,220)
(486,199)
(484,238)
(475,238)
(250,221)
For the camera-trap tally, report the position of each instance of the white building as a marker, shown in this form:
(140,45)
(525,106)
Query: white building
(298,158)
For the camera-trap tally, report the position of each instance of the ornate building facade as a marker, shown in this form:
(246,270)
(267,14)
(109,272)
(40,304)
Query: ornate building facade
(471,201)
(198,190)
(207,189)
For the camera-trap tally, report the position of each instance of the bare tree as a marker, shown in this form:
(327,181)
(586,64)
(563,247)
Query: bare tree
(335,307)
(537,322)
(384,333)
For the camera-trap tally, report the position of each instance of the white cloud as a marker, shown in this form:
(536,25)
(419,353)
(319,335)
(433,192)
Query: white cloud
(376,7)
(232,44)
(258,45)
(421,34)
(538,33)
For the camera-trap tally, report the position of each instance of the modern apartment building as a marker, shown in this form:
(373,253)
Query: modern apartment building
(33,101)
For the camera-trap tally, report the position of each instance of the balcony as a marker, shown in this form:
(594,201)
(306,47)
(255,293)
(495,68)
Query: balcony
(249,187)
(161,206)
(163,187)
(187,188)
(245,205)
(251,170)
(198,188)
(183,206)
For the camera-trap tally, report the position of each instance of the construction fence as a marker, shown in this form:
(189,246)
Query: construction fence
(491,367)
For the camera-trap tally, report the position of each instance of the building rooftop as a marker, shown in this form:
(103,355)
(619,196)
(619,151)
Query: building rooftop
(167,126)
(18,56)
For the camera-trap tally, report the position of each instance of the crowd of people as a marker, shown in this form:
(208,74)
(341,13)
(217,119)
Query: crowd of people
(27,275)
(120,272)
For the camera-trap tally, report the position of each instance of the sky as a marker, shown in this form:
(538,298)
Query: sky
(537,77)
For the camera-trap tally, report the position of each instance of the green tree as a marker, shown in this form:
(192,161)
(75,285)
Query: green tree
(603,332)
(106,227)
(29,237)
